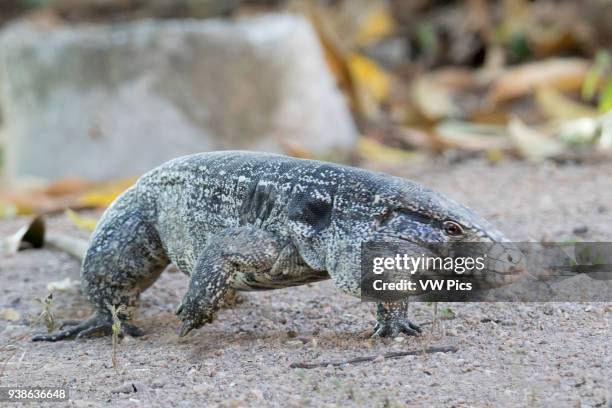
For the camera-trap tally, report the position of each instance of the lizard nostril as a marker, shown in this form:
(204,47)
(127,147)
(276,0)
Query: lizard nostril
(510,259)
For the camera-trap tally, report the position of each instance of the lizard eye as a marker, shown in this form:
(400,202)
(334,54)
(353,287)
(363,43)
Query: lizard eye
(452,228)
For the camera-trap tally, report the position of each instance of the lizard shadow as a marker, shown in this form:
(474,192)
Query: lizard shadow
(205,343)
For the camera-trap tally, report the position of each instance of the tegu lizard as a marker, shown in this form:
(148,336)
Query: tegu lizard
(258,221)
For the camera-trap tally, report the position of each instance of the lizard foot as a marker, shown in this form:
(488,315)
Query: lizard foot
(96,325)
(393,328)
(192,315)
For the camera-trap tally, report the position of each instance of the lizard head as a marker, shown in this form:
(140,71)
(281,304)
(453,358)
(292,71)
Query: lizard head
(407,212)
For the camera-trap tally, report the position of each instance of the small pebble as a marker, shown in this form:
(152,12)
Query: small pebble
(140,387)
(257,394)
(126,388)
(130,387)
(200,389)
(82,403)
(580,230)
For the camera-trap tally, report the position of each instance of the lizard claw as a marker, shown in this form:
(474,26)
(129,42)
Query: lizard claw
(188,325)
(185,329)
(193,314)
(179,309)
(393,328)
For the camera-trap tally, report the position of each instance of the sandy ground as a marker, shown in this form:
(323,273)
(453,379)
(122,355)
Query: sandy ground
(534,355)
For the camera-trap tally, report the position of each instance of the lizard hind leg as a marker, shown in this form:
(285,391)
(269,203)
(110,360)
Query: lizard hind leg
(392,320)
(96,325)
(71,332)
(124,258)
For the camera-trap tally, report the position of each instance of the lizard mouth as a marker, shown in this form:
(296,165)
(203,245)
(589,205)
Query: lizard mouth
(495,278)
(511,276)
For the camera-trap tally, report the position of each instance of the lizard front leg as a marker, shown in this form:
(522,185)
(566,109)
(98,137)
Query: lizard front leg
(392,320)
(243,249)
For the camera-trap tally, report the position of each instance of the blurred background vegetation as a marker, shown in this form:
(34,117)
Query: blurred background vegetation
(503,80)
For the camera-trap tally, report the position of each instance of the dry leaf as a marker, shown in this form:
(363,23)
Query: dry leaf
(494,156)
(32,234)
(555,105)
(58,196)
(605,137)
(335,49)
(75,247)
(372,150)
(596,131)
(370,77)
(411,138)
(596,75)
(10,245)
(63,285)
(16,203)
(10,314)
(68,186)
(473,136)
(81,222)
(104,195)
(605,99)
(564,74)
(29,202)
(488,116)
(295,149)
(532,144)
(453,78)
(579,131)
(376,24)
(434,101)
(8,210)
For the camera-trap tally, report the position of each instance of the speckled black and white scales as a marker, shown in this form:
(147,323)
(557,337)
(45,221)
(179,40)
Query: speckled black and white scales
(255,221)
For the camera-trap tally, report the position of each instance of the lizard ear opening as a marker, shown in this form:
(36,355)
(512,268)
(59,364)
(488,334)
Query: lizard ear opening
(310,211)
(383,218)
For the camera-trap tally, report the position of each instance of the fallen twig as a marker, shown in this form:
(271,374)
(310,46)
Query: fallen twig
(396,354)
(75,247)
